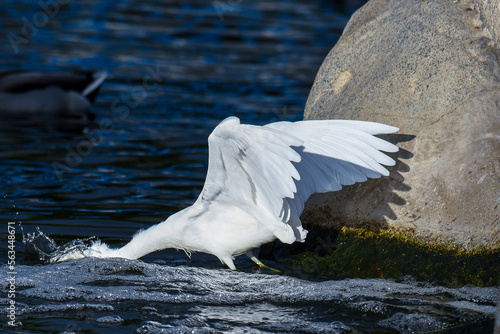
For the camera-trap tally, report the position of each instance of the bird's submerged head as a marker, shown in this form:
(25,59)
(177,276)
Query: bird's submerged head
(96,249)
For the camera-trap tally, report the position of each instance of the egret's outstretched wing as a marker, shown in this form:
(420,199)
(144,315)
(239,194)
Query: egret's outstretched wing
(248,163)
(278,166)
(335,153)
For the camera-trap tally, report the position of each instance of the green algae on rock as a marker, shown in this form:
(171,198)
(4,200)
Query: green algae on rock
(364,253)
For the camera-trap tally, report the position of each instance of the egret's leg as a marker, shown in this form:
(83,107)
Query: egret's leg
(259,263)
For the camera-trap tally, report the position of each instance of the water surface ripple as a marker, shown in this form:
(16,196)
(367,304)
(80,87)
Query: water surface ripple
(129,295)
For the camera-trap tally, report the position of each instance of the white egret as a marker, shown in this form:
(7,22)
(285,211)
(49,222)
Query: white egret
(258,180)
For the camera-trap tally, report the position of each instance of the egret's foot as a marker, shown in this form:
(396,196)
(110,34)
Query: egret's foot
(260,264)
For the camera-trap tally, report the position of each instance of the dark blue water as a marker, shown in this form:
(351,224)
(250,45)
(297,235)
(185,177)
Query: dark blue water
(175,70)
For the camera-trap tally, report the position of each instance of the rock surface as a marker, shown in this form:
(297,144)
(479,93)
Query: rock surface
(432,69)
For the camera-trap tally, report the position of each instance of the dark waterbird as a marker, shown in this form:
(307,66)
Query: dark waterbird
(35,97)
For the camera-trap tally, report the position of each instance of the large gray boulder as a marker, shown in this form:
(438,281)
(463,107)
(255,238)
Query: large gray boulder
(432,69)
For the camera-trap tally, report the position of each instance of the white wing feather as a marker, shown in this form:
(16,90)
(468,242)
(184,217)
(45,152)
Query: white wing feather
(335,153)
(250,164)
(278,166)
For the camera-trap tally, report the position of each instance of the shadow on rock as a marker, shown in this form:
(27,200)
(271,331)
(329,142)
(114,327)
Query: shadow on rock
(366,205)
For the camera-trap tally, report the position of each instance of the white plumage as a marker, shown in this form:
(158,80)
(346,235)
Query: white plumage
(258,180)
